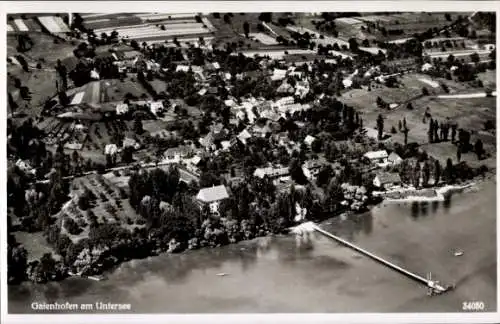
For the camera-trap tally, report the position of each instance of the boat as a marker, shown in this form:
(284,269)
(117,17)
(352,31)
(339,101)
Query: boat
(458,253)
(222,274)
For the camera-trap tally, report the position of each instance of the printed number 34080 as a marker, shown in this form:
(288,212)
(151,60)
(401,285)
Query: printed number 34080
(473,306)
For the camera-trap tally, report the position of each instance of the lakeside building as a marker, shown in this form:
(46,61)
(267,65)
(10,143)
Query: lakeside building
(212,196)
(376,157)
(387,180)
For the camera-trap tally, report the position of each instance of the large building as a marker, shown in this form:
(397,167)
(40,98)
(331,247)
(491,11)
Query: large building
(212,196)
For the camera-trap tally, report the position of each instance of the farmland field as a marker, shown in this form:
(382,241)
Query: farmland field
(44,48)
(41,84)
(457,110)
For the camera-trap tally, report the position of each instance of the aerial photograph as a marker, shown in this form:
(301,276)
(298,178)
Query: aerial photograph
(251,162)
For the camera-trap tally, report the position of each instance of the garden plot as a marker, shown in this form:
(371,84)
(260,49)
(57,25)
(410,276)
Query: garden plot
(276,54)
(263,38)
(53,24)
(108,203)
(21,26)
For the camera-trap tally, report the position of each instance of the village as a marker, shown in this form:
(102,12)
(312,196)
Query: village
(135,134)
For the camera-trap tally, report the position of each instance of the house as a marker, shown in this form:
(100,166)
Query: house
(25,167)
(244,136)
(376,157)
(394,159)
(387,180)
(207,141)
(176,154)
(285,87)
(302,89)
(311,168)
(212,196)
(121,108)
(271,172)
(278,74)
(110,149)
(212,90)
(309,140)
(156,107)
(226,145)
(261,131)
(130,142)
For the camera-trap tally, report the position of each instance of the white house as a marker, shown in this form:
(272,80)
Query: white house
(387,180)
(309,140)
(271,172)
(176,154)
(130,142)
(24,166)
(394,159)
(311,168)
(156,107)
(110,149)
(377,157)
(121,108)
(212,196)
(244,136)
(278,74)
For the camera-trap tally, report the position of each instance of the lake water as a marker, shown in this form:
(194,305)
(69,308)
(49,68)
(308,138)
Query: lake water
(285,274)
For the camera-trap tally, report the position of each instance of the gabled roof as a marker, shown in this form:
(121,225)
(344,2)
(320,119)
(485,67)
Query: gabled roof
(393,157)
(212,194)
(376,154)
(309,139)
(386,177)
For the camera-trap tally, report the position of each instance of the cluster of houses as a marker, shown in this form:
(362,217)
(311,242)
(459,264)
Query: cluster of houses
(381,159)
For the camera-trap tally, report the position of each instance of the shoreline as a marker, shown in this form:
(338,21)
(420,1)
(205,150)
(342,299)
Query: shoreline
(110,262)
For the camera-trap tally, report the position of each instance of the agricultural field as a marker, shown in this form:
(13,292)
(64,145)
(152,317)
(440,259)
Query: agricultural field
(46,49)
(40,83)
(456,109)
(102,133)
(103,91)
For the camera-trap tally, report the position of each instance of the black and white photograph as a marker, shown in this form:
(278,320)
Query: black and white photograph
(260,162)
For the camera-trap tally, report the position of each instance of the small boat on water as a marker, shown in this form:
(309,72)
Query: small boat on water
(458,253)
(222,274)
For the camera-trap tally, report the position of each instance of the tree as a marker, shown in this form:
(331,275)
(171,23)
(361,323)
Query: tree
(425,92)
(246,28)
(474,57)
(405,132)
(426,172)
(459,152)
(227,19)
(353,45)
(266,17)
(296,172)
(478,149)
(448,173)
(430,132)
(437,172)
(380,126)
(138,129)
(453,132)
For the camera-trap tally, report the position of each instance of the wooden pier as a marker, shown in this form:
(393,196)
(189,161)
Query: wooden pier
(432,285)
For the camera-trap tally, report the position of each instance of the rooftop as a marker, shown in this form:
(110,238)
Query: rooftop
(212,194)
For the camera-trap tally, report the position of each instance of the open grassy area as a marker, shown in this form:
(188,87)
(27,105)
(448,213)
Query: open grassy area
(469,114)
(35,244)
(44,48)
(41,84)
